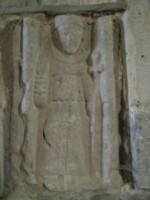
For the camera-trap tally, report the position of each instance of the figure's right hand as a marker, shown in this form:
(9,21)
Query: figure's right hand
(40,100)
(41,82)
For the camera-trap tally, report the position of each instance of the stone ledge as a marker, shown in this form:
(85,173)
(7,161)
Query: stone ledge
(109,196)
(125,193)
(116,6)
(75,2)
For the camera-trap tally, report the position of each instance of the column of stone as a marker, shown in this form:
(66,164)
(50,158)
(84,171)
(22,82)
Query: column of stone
(110,135)
(16,124)
(30,54)
(136,28)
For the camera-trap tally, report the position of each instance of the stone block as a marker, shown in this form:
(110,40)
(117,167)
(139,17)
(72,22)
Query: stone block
(143,147)
(136,25)
(140,145)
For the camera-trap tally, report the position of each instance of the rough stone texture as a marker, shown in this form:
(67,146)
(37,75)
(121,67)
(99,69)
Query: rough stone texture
(10,61)
(69,126)
(75,2)
(88,2)
(61,103)
(126,193)
(60,7)
(116,195)
(105,38)
(64,101)
(59,2)
(10,3)
(137,41)
(2,105)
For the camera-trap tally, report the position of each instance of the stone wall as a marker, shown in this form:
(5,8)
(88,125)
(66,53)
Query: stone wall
(137,42)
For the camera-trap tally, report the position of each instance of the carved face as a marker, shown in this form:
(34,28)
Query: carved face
(69,38)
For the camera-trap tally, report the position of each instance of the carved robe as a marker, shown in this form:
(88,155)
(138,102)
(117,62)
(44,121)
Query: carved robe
(66,122)
(66,117)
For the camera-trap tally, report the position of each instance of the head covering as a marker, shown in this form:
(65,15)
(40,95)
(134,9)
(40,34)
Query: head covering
(61,20)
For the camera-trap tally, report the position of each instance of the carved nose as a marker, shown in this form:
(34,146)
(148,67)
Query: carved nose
(70,37)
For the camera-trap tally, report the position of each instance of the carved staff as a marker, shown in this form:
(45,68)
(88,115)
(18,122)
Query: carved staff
(30,54)
(96,104)
(104,42)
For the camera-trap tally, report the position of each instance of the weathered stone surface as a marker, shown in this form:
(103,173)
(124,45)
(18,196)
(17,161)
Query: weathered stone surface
(104,33)
(60,7)
(30,51)
(68,120)
(2,106)
(75,2)
(143,146)
(60,2)
(88,2)
(10,3)
(62,86)
(126,193)
(32,2)
(63,132)
(136,23)
(12,137)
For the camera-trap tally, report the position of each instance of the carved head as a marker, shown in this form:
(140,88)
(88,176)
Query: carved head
(68,33)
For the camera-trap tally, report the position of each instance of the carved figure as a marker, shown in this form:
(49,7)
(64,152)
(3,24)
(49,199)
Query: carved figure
(71,140)
(64,90)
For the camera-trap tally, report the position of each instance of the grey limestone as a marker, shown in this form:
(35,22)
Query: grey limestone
(136,29)
(75,2)
(61,7)
(12,3)
(63,134)
(74,100)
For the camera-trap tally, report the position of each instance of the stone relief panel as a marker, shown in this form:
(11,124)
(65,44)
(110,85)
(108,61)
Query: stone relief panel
(69,104)
(63,109)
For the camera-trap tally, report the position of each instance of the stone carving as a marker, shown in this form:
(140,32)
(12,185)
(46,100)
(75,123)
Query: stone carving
(65,145)
(63,96)
(11,126)
(65,83)
(61,99)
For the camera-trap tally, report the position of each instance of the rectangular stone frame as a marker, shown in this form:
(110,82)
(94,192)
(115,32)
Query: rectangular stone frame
(34,7)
